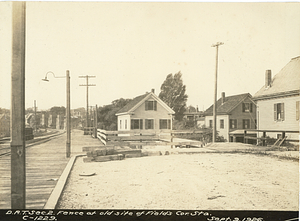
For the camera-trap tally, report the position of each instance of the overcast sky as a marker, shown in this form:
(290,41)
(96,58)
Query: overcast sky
(132,47)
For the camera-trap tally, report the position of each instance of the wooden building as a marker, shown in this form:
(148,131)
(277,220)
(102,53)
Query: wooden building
(234,113)
(278,101)
(145,114)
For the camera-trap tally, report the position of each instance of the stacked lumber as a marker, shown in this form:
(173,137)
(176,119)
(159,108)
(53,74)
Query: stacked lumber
(109,153)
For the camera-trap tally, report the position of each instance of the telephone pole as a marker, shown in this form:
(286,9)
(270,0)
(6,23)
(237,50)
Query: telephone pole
(35,121)
(87,95)
(17,111)
(215,97)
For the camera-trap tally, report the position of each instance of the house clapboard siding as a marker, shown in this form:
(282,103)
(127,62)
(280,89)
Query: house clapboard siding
(234,113)
(266,120)
(146,114)
(278,101)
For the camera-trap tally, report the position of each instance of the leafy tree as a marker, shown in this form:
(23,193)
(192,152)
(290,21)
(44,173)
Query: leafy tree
(29,110)
(173,94)
(191,109)
(4,111)
(58,110)
(107,114)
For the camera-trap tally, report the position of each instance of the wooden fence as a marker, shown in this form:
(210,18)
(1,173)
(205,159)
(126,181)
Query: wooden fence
(264,138)
(102,135)
(148,138)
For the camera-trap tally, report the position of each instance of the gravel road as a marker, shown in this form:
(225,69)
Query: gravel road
(210,181)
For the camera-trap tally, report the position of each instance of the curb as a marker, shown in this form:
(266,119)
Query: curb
(56,192)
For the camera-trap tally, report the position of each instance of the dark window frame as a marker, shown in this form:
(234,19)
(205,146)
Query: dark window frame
(151,105)
(210,123)
(233,123)
(246,122)
(164,124)
(221,123)
(279,112)
(136,124)
(149,124)
(247,107)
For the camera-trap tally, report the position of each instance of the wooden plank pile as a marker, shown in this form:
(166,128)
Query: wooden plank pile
(108,153)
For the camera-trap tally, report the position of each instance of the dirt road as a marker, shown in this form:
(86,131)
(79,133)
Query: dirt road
(210,181)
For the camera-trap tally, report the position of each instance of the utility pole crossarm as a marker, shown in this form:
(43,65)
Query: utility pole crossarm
(217,44)
(89,76)
(87,94)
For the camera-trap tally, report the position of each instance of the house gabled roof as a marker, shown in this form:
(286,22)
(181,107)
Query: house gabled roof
(137,101)
(285,82)
(231,102)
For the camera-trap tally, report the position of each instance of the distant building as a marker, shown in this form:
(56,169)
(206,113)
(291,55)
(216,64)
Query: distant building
(4,125)
(278,100)
(145,114)
(44,119)
(52,121)
(60,125)
(193,117)
(234,113)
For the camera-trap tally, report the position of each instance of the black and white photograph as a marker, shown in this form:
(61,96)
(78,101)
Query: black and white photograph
(149,110)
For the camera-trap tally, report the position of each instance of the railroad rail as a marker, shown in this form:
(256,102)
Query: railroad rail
(5,146)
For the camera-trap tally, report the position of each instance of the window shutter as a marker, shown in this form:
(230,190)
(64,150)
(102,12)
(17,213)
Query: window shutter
(250,107)
(282,111)
(146,105)
(169,124)
(235,123)
(141,123)
(243,107)
(146,124)
(160,123)
(275,112)
(131,122)
(155,105)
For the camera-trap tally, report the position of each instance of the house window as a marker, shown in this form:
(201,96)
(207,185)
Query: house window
(149,124)
(233,123)
(164,124)
(247,107)
(120,124)
(246,123)
(125,124)
(297,110)
(279,112)
(210,123)
(222,124)
(136,124)
(151,105)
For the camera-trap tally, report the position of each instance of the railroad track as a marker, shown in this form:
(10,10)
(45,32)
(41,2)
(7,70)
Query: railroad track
(5,143)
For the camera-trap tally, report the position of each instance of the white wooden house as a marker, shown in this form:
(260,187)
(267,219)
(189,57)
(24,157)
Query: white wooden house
(145,114)
(234,113)
(278,101)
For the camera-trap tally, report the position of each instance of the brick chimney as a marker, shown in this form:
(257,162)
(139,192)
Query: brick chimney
(153,91)
(223,97)
(268,78)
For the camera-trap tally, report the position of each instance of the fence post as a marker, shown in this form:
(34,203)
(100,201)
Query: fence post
(245,134)
(283,137)
(264,138)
